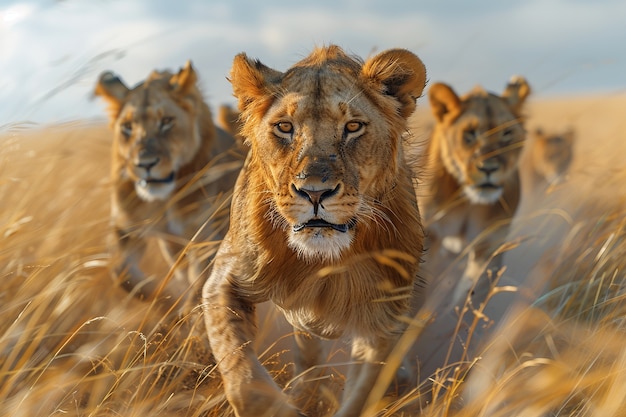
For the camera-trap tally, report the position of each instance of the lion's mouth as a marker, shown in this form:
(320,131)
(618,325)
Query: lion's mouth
(320,223)
(489,186)
(166,180)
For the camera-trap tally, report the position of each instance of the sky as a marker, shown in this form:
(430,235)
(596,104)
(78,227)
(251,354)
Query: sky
(52,51)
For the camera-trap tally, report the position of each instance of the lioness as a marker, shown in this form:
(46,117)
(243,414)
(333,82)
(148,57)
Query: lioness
(472,182)
(171,172)
(551,154)
(324,219)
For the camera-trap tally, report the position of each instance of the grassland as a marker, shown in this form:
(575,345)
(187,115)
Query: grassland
(73,343)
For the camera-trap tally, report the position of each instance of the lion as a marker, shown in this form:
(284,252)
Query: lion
(471,184)
(324,220)
(172,171)
(551,154)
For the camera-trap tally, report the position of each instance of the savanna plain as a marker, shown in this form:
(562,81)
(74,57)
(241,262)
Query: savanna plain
(73,343)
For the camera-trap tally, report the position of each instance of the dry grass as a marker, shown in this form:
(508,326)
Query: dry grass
(74,344)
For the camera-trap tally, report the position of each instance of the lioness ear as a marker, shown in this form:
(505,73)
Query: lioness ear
(111,88)
(251,80)
(185,79)
(516,92)
(443,100)
(400,73)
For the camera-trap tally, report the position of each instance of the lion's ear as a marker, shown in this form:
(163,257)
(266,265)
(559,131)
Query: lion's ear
(185,79)
(443,100)
(251,80)
(516,92)
(111,88)
(400,73)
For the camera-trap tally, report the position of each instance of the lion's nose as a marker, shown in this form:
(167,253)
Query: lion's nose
(315,197)
(488,166)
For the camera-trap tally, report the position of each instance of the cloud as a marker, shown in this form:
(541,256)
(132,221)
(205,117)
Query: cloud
(52,53)
(14,14)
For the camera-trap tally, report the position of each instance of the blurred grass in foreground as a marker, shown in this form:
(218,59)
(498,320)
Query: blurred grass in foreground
(73,344)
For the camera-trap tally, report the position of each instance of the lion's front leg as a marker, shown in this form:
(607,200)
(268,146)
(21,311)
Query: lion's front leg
(369,357)
(171,252)
(231,326)
(309,351)
(187,270)
(128,250)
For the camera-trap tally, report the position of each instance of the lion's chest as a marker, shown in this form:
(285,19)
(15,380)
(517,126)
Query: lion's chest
(341,304)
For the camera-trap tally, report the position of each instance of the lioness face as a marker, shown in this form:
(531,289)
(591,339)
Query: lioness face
(482,138)
(155,138)
(155,132)
(484,145)
(552,154)
(322,140)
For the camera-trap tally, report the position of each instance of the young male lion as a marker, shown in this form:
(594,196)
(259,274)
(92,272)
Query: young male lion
(472,182)
(324,220)
(171,170)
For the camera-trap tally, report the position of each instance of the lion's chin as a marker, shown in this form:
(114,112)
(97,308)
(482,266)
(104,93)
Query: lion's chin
(153,190)
(483,194)
(314,244)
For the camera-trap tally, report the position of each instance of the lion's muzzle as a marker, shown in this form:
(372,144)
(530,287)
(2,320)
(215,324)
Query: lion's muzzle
(153,182)
(146,168)
(315,196)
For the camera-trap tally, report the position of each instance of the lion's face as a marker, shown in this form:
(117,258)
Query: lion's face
(155,131)
(328,139)
(481,136)
(322,152)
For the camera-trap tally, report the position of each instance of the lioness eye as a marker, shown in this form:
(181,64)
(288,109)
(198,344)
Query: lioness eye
(469,137)
(127,128)
(507,135)
(352,127)
(284,127)
(166,124)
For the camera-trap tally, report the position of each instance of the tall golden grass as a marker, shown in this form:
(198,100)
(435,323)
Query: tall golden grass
(73,343)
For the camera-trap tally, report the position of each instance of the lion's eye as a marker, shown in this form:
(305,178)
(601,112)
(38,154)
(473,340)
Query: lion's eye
(469,137)
(166,124)
(507,135)
(284,127)
(127,128)
(353,126)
